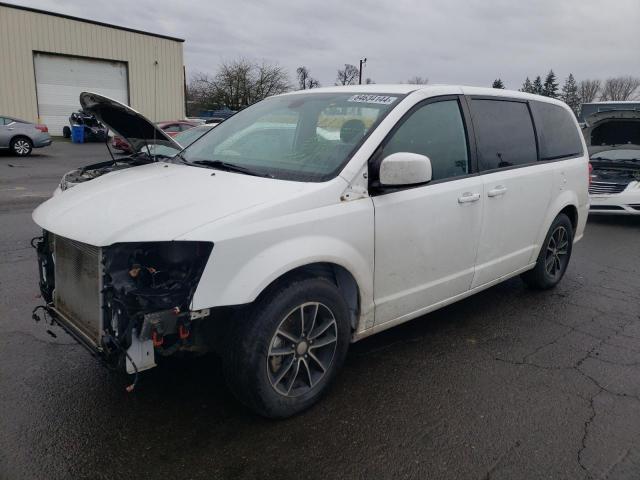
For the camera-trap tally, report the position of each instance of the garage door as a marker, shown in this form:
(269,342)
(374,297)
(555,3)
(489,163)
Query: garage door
(61,79)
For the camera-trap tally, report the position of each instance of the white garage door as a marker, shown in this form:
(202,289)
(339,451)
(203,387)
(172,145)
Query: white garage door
(61,79)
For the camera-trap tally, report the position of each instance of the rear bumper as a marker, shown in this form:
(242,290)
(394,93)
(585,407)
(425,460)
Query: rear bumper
(41,140)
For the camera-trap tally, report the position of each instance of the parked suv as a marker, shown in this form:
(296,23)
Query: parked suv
(21,137)
(311,220)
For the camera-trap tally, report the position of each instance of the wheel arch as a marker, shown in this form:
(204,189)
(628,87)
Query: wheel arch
(340,276)
(20,135)
(570,211)
(566,203)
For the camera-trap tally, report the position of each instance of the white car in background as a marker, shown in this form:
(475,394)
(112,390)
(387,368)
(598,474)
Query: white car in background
(613,142)
(311,220)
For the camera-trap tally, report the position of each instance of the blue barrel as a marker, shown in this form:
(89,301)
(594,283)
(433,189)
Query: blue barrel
(77,133)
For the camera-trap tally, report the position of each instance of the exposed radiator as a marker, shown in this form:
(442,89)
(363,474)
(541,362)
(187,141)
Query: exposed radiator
(78,284)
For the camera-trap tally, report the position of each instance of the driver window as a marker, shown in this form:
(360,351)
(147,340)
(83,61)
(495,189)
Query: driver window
(435,130)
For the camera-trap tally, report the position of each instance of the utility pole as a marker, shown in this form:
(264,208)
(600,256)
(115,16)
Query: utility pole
(363,61)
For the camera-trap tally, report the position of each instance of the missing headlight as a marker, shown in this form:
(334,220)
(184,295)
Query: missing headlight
(150,277)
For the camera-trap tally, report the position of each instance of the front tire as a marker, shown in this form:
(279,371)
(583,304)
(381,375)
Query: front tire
(554,256)
(287,349)
(21,146)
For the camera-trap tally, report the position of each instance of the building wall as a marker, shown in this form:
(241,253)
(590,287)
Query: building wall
(157,91)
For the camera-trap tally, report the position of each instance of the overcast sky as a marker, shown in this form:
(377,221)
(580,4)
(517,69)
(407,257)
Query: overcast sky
(448,41)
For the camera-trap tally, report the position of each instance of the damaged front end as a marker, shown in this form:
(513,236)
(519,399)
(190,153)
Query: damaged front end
(125,302)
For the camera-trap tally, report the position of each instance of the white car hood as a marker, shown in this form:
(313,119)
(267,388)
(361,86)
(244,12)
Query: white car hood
(156,202)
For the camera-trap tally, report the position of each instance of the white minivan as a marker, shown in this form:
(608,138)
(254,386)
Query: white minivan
(308,221)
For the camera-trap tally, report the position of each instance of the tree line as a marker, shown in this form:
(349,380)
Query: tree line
(575,93)
(242,82)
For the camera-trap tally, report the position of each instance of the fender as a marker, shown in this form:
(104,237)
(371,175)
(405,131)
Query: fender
(241,267)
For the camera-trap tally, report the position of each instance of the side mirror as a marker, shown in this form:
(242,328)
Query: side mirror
(404,168)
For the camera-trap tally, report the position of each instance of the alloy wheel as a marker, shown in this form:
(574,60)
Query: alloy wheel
(557,250)
(21,147)
(302,349)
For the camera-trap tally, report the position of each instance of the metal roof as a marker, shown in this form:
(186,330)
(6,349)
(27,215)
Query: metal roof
(94,22)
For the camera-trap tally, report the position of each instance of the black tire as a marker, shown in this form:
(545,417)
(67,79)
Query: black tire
(251,366)
(66,132)
(21,146)
(554,256)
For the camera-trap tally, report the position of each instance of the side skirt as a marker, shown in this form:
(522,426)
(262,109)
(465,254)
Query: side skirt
(410,316)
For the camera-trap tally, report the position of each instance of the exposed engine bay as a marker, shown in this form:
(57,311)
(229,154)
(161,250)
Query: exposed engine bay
(84,174)
(143,300)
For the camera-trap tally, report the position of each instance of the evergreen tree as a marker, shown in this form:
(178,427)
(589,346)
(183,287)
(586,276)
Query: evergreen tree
(537,86)
(550,87)
(497,83)
(527,86)
(570,95)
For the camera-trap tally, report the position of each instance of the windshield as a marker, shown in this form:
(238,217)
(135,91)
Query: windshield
(303,137)
(623,154)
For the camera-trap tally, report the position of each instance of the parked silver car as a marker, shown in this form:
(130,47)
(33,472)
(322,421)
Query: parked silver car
(21,137)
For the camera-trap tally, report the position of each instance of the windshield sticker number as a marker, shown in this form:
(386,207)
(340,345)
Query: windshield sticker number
(379,99)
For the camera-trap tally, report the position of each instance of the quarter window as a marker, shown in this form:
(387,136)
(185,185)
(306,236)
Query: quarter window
(557,131)
(505,135)
(435,130)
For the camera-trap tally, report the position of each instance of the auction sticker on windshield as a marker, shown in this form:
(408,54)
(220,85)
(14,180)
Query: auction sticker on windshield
(380,99)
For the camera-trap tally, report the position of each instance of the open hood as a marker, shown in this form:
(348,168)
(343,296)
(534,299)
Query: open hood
(612,130)
(125,121)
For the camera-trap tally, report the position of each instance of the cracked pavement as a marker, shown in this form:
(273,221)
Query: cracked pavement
(508,384)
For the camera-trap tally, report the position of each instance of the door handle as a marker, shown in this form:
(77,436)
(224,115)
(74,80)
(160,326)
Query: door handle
(469,197)
(497,191)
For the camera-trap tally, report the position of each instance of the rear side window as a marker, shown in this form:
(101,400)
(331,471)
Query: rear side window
(505,135)
(557,131)
(435,130)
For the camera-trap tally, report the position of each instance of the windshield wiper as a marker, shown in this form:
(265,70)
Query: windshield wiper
(229,167)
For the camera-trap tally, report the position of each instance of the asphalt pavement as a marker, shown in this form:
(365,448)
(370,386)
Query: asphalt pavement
(508,384)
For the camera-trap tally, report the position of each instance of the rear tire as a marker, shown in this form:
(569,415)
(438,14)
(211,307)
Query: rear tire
(21,146)
(287,349)
(554,256)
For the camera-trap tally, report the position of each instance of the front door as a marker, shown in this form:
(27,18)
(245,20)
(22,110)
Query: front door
(426,237)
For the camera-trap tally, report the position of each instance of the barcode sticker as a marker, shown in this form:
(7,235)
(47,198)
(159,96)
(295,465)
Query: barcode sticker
(379,99)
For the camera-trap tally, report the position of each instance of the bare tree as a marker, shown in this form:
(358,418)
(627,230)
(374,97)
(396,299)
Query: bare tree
(348,75)
(201,93)
(417,80)
(305,80)
(620,88)
(267,80)
(237,84)
(588,90)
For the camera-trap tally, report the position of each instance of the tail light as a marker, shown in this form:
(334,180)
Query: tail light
(42,128)
(590,173)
